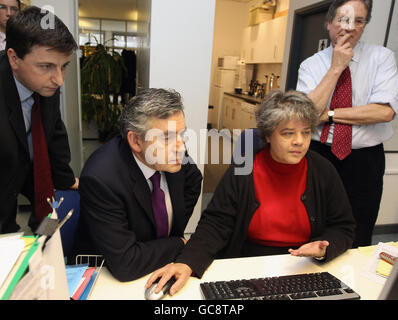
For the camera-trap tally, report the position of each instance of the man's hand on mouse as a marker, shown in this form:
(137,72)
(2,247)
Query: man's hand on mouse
(180,271)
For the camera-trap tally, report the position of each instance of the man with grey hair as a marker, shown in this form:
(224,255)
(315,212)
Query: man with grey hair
(354,86)
(139,190)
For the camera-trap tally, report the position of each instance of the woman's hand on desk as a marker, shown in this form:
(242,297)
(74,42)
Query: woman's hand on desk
(180,271)
(311,249)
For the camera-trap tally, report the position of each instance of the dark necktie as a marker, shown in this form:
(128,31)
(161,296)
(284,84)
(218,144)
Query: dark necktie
(159,207)
(342,135)
(43,184)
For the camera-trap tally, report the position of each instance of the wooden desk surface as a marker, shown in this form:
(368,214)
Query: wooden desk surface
(346,267)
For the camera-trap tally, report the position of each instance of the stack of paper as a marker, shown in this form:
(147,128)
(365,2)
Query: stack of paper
(14,249)
(80,280)
(10,249)
(376,269)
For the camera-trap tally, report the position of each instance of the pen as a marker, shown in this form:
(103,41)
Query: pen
(64,220)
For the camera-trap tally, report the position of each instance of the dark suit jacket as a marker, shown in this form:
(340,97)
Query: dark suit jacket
(116,211)
(15,164)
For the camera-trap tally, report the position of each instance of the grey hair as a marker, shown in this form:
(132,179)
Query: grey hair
(159,103)
(279,106)
(338,3)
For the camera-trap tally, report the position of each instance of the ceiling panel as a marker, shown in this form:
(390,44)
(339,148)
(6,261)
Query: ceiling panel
(115,9)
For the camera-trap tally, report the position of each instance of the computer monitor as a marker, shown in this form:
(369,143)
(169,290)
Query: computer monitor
(390,289)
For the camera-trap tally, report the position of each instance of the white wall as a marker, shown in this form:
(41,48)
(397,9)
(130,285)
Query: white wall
(180,58)
(375,33)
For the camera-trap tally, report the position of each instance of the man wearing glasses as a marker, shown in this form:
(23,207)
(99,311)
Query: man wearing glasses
(354,86)
(7,9)
(138,191)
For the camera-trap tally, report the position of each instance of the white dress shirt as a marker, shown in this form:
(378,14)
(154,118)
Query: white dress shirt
(374,80)
(2,41)
(148,173)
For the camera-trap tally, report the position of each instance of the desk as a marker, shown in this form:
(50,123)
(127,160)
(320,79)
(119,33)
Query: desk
(346,267)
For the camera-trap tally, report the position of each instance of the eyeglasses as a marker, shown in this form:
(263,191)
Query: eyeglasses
(359,22)
(13,9)
(166,138)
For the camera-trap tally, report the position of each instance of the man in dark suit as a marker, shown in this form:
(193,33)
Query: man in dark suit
(119,216)
(33,65)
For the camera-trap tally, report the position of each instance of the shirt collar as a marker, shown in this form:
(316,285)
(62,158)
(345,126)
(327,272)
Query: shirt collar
(24,93)
(2,36)
(357,51)
(146,171)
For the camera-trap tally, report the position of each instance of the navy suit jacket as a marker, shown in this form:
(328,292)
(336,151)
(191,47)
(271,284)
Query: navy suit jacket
(116,211)
(15,163)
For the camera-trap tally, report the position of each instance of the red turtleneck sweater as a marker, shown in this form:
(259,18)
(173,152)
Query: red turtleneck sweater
(281,220)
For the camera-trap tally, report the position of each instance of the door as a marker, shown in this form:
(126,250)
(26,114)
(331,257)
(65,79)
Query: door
(308,29)
(227,106)
(215,115)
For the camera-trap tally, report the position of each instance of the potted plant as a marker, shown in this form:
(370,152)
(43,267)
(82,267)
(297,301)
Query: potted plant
(101,79)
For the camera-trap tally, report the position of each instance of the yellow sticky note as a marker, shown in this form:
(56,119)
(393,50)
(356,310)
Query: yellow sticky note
(28,241)
(384,268)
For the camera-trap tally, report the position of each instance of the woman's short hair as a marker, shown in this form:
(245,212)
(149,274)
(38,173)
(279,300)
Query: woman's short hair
(280,106)
(159,103)
(34,26)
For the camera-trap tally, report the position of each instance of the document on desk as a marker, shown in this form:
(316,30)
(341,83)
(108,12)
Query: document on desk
(32,286)
(370,269)
(74,274)
(10,249)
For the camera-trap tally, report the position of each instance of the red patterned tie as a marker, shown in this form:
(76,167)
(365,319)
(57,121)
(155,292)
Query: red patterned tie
(43,183)
(342,135)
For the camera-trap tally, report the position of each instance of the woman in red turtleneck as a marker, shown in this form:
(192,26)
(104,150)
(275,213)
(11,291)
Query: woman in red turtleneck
(293,200)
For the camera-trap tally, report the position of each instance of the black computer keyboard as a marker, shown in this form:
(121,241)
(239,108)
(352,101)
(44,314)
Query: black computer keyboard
(320,286)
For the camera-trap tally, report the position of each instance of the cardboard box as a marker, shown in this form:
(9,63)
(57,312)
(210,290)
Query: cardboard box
(259,15)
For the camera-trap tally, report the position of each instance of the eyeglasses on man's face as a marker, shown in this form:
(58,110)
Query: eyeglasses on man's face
(349,21)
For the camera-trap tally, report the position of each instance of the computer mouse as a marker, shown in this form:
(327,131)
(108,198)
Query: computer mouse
(150,292)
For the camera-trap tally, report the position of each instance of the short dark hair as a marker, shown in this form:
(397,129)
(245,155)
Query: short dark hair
(338,3)
(24,30)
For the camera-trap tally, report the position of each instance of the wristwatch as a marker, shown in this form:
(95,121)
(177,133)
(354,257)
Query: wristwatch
(330,115)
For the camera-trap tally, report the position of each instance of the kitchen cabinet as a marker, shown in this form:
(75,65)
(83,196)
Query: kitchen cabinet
(238,114)
(250,36)
(230,111)
(247,117)
(265,42)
